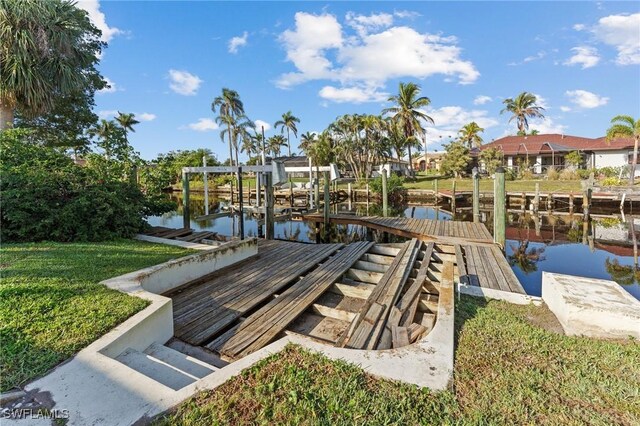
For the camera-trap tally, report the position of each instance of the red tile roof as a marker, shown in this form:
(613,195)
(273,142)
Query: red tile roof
(536,144)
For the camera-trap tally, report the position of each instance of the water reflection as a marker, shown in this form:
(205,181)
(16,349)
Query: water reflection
(558,241)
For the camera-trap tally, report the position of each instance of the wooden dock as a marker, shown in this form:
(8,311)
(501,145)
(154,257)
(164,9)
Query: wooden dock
(361,295)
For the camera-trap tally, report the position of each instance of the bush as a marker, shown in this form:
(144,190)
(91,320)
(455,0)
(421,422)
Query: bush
(526,175)
(611,181)
(585,173)
(552,174)
(609,172)
(394,184)
(45,196)
(509,174)
(569,174)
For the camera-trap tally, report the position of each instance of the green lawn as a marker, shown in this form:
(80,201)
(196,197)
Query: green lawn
(51,305)
(508,371)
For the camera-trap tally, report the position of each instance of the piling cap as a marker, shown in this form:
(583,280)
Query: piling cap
(500,169)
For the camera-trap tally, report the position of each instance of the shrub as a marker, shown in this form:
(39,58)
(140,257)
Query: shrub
(552,174)
(585,173)
(394,184)
(526,175)
(45,196)
(611,181)
(609,172)
(509,174)
(569,174)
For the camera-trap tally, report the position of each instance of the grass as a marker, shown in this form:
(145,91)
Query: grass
(51,304)
(508,371)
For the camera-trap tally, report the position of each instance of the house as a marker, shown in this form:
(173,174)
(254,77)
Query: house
(392,165)
(428,161)
(541,152)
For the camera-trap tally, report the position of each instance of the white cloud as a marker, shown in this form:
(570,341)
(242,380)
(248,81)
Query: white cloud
(535,57)
(579,27)
(363,63)
(98,19)
(184,83)
(623,33)
(110,88)
(564,108)
(449,119)
(481,100)
(364,24)
(585,99)
(585,56)
(202,125)
(106,113)
(354,95)
(541,101)
(406,14)
(546,126)
(237,42)
(260,123)
(145,116)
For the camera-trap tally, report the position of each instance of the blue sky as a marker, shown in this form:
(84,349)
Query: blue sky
(166,61)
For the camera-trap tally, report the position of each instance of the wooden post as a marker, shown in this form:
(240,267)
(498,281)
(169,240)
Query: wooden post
(316,187)
(435,189)
(327,204)
(476,195)
(385,195)
(186,215)
(536,198)
(499,211)
(570,203)
(453,197)
(258,175)
(240,204)
(231,186)
(205,177)
(268,213)
(349,191)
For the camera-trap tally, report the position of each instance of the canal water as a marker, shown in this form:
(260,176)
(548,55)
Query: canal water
(547,242)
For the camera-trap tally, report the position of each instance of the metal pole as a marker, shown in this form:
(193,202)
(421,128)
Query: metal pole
(476,195)
(206,186)
(268,216)
(240,204)
(499,210)
(385,195)
(186,215)
(326,205)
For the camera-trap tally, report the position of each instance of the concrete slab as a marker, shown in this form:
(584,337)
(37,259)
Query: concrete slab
(591,307)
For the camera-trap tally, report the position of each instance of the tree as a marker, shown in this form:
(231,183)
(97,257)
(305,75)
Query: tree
(127,121)
(469,134)
(522,108)
(105,131)
(274,144)
(406,112)
(492,159)
(624,126)
(456,159)
(48,49)
(230,107)
(288,122)
(306,141)
(574,159)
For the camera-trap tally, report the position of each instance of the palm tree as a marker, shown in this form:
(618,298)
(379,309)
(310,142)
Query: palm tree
(48,49)
(288,122)
(306,141)
(406,112)
(469,134)
(127,121)
(522,108)
(274,144)
(230,107)
(104,130)
(624,126)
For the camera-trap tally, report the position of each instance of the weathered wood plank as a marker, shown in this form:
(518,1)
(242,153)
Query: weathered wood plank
(399,336)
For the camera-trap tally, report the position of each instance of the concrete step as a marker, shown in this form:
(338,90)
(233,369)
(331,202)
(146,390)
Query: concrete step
(186,364)
(151,367)
(197,352)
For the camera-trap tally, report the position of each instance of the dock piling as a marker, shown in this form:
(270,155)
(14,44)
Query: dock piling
(268,211)
(186,215)
(536,198)
(385,195)
(453,197)
(327,204)
(205,177)
(240,204)
(476,195)
(435,189)
(499,210)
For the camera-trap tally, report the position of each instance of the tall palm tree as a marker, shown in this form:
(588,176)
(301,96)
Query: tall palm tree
(306,141)
(230,108)
(406,112)
(522,108)
(47,50)
(127,121)
(275,143)
(288,122)
(624,126)
(469,134)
